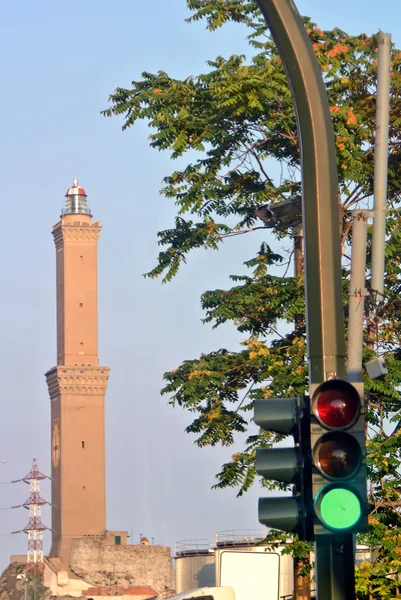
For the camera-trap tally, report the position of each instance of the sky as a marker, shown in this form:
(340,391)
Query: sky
(60,62)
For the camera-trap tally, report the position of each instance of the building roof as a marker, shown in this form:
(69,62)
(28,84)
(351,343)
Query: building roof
(138,590)
(134,590)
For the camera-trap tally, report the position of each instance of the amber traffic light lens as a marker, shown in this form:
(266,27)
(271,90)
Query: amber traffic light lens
(336,404)
(337,455)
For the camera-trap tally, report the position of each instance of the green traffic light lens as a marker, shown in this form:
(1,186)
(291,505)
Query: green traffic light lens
(339,508)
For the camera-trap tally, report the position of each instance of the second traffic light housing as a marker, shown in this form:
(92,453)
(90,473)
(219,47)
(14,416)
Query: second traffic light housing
(337,431)
(289,416)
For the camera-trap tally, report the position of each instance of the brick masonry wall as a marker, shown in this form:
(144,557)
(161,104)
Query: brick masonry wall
(101,564)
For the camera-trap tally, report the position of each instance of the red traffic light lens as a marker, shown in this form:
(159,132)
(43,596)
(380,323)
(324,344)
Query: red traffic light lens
(337,455)
(336,404)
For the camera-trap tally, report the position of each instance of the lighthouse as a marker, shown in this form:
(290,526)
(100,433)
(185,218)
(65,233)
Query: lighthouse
(77,384)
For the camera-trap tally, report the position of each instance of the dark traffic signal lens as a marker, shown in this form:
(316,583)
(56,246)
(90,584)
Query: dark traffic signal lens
(337,455)
(336,404)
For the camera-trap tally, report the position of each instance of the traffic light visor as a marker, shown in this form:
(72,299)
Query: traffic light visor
(336,404)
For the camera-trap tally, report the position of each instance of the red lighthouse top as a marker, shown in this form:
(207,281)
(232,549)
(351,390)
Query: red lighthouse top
(76,202)
(75,190)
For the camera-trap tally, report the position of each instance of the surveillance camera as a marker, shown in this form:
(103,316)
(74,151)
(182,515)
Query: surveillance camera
(376,368)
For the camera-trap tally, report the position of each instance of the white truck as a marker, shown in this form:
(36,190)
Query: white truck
(207,593)
(248,574)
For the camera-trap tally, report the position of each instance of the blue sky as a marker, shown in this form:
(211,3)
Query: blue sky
(60,63)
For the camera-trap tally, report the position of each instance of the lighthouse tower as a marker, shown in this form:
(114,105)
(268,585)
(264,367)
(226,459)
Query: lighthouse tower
(77,385)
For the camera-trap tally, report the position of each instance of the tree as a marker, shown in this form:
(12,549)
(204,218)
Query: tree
(238,117)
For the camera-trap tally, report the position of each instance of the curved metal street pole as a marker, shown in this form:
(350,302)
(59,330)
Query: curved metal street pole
(320,211)
(320,215)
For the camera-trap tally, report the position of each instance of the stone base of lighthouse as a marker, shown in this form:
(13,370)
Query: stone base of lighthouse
(104,566)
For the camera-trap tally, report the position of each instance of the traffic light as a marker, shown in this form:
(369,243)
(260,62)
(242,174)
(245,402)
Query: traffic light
(289,416)
(337,435)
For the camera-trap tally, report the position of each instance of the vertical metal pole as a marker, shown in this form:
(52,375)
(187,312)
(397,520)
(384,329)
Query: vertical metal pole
(301,582)
(297,235)
(357,295)
(333,581)
(320,214)
(381,162)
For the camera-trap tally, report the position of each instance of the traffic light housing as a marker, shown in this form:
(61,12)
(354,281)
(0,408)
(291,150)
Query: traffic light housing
(289,416)
(337,436)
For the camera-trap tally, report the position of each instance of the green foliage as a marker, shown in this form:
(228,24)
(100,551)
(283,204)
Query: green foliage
(380,578)
(231,123)
(239,114)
